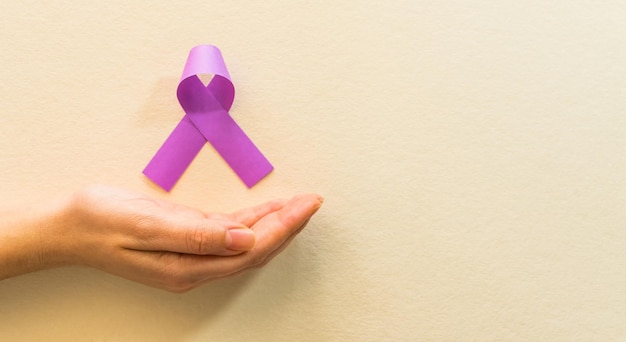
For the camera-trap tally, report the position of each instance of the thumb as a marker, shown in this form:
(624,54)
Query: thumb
(199,236)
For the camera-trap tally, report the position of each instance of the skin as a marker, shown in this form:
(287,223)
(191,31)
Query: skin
(150,241)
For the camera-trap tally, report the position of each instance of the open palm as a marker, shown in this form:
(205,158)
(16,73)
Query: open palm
(171,246)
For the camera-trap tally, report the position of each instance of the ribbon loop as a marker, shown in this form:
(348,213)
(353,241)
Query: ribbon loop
(206,119)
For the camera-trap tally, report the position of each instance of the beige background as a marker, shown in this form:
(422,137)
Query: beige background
(471,154)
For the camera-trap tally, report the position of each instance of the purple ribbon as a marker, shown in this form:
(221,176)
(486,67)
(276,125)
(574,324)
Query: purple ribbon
(206,119)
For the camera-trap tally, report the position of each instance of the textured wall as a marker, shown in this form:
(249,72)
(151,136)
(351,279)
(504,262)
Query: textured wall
(471,154)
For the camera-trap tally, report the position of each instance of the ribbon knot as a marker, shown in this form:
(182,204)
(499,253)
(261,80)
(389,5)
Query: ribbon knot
(206,119)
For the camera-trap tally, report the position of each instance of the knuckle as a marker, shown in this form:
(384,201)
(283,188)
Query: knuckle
(200,241)
(172,277)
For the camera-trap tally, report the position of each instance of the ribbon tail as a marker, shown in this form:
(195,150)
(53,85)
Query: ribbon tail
(230,141)
(175,155)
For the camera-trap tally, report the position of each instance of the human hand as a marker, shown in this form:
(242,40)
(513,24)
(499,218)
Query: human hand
(170,246)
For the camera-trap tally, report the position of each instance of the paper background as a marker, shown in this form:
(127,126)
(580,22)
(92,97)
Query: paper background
(471,154)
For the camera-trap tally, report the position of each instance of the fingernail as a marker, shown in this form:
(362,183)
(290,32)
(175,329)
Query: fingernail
(240,239)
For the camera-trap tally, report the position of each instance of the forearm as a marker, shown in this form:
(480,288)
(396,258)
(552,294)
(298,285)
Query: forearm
(31,238)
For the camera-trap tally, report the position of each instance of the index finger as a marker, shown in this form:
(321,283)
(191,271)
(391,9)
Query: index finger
(250,216)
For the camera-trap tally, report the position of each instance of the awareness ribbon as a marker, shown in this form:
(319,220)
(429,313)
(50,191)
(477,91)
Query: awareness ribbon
(206,119)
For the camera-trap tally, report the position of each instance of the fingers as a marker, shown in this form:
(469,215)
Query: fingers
(299,209)
(274,253)
(293,218)
(250,216)
(274,232)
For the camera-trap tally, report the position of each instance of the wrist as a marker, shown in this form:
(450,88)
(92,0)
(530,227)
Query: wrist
(32,238)
(55,237)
